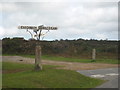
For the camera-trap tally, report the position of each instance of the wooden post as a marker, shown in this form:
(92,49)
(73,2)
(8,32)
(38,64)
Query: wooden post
(93,54)
(38,65)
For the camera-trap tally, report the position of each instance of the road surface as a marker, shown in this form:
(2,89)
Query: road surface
(109,74)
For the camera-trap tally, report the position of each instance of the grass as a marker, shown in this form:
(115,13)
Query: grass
(59,58)
(49,77)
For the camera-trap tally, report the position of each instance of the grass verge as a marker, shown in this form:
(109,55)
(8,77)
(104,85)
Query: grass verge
(49,77)
(59,58)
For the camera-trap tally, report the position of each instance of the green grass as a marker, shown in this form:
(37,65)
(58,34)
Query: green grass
(59,58)
(49,77)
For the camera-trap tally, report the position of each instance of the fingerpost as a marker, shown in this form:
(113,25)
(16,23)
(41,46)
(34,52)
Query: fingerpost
(36,33)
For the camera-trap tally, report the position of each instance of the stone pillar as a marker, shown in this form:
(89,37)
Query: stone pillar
(94,54)
(38,65)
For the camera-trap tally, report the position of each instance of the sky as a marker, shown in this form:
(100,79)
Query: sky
(87,20)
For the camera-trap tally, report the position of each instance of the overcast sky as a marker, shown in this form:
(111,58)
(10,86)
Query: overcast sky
(87,20)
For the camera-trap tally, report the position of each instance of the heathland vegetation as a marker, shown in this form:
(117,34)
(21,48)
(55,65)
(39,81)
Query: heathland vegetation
(79,48)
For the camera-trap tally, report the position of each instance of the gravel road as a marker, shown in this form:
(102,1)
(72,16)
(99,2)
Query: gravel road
(66,65)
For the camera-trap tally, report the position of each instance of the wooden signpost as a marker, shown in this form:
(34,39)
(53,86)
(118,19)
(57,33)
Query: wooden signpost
(36,33)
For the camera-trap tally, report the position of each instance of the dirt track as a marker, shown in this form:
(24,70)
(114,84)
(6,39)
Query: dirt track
(67,65)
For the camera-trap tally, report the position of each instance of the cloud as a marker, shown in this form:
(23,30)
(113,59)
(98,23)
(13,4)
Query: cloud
(103,36)
(82,19)
(59,1)
(1,31)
